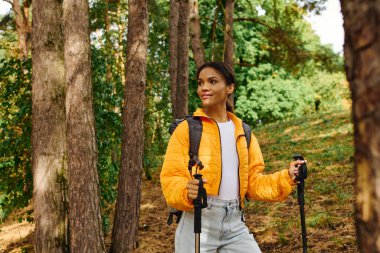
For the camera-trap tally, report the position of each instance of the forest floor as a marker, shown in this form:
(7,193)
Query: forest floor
(326,142)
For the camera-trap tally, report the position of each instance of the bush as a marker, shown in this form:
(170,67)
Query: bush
(263,100)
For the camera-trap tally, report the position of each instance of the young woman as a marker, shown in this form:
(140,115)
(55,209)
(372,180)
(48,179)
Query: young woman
(232,171)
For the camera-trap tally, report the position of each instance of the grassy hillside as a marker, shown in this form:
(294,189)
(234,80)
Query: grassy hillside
(326,141)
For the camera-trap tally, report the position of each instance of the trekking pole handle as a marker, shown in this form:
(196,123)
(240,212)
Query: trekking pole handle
(201,200)
(302,169)
(199,203)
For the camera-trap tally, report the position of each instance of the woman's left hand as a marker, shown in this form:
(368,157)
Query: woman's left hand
(293,168)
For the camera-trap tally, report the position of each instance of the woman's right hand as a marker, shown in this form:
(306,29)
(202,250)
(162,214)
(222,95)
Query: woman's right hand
(192,188)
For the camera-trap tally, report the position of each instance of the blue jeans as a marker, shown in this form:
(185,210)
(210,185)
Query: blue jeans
(223,230)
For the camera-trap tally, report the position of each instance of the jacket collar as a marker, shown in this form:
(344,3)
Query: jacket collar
(237,122)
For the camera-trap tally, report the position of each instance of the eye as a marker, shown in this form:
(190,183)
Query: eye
(213,81)
(199,83)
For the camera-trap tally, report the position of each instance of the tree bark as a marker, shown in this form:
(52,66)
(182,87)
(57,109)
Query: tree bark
(362,61)
(22,26)
(173,43)
(179,56)
(125,230)
(182,60)
(49,129)
(195,34)
(228,38)
(86,233)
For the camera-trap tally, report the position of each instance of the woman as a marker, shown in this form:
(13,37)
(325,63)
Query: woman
(232,171)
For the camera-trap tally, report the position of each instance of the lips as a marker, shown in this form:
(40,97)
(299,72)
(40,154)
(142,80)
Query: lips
(205,96)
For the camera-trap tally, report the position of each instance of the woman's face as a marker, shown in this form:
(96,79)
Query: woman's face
(212,88)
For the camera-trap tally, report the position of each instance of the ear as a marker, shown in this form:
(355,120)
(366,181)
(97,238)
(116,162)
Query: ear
(230,88)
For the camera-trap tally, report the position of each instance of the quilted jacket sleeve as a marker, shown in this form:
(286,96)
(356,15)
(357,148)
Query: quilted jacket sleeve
(272,187)
(174,174)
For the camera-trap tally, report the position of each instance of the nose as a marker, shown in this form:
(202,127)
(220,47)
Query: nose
(205,87)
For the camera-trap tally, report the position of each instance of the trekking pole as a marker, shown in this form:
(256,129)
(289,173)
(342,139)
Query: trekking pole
(199,203)
(302,175)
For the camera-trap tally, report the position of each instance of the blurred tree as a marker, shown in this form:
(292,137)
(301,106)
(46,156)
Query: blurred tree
(23,26)
(362,58)
(229,38)
(195,34)
(228,34)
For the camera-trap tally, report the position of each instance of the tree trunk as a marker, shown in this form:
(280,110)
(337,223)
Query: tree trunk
(86,233)
(228,38)
(362,60)
(22,26)
(182,60)
(173,43)
(179,56)
(120,59)
(125,230)
(49,129)
(108,44)
(195,34)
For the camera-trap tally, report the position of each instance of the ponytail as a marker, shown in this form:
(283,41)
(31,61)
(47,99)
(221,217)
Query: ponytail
(229,106)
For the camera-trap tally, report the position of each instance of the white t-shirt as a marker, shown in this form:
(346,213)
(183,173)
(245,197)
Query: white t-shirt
(229,186)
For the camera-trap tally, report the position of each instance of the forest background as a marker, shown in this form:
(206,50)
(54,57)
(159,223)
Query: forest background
(283,72)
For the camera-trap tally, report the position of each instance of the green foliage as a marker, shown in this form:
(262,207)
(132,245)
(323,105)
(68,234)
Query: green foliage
(280,37)
(158,103)
(269,94)
(107,104)
(331,89)
(272,99)
(15,135)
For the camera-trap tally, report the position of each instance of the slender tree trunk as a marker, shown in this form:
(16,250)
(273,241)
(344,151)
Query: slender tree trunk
(125,230)
(213,31)
(182,60)
(120,59)
(195,34)
(228,33)
(173,44)
(108,44)
(362,58)
(49,129)
(179,56)
(228,38)
(86,233)
(23,26)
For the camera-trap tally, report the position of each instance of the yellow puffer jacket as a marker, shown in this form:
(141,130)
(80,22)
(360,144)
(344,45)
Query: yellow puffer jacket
(253,184)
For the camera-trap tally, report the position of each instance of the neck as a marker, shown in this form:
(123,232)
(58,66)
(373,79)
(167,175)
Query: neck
(219,116)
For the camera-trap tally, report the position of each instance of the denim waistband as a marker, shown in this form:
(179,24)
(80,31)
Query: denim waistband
(229,204)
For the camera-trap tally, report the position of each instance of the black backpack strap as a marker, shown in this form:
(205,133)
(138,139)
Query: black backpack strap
(195,134)
(247,133)
(174,125)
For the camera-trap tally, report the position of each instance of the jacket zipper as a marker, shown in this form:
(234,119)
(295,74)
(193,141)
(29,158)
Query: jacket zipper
(221,153)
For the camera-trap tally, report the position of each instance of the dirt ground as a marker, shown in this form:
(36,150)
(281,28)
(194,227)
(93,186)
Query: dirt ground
(264,221)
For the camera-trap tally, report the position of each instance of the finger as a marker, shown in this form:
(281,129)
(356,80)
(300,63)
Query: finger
(192,187)
(194,182)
